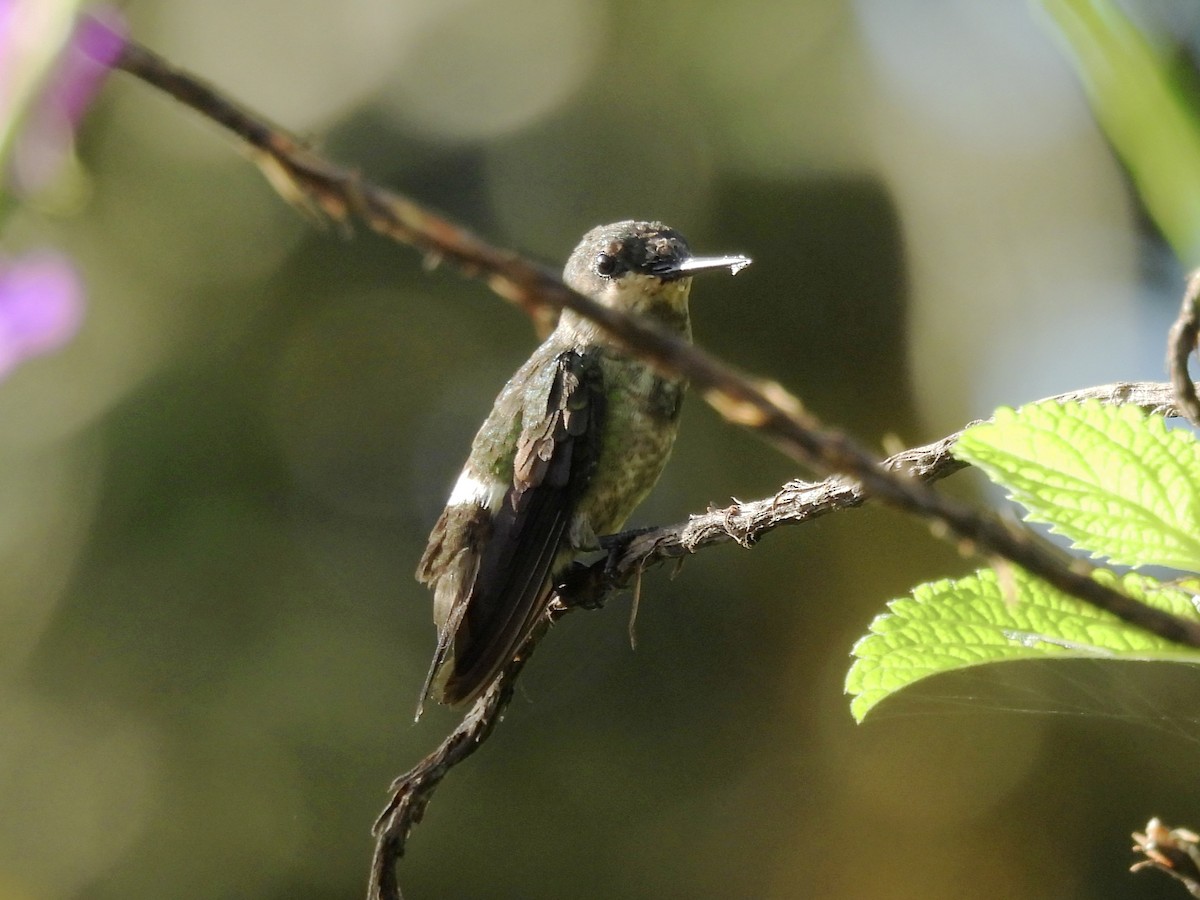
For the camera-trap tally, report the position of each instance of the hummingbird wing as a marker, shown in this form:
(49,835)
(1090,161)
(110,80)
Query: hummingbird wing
(493,582)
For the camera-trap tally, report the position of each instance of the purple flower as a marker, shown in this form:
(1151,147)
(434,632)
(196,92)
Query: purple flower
(46,86)
(94,47)
(41,306)
(74,77)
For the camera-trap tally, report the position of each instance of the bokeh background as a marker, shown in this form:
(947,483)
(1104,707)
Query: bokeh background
(211,642)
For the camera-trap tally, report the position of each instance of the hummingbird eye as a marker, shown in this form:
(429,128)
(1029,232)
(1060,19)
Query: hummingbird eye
(606,264)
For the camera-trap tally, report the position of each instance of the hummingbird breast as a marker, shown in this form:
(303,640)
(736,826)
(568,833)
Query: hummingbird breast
(641,421)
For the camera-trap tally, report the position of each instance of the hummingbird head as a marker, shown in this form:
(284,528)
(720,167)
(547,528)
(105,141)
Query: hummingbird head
(644,268)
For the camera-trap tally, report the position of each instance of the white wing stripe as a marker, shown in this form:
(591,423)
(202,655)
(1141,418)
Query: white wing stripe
(470,490)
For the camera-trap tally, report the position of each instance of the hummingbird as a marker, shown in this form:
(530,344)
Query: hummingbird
(575,441)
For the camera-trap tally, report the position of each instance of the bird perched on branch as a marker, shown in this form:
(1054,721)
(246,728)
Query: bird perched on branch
(574,442)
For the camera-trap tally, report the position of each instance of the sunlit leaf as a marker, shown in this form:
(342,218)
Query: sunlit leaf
(987,618)
(1113,479)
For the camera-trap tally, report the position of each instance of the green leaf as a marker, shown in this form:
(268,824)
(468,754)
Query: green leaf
(1143,111)
(988,617)
(1112,479)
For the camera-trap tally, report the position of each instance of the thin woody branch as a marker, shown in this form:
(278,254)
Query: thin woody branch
(799,501)
(412,791)
(1174,851)
(743,523)
(1181,342)
(766,407)
(762,406)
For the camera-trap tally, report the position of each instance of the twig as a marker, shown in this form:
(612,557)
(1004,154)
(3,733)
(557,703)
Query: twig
(412,791)
(1181,341)
(1174,851)
(759,405)
(762,406)
(799,501)
(632,552)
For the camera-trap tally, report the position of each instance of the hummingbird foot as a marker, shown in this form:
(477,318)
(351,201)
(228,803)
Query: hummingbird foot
(587,584)
(615,546)
(582,585)
(622,539)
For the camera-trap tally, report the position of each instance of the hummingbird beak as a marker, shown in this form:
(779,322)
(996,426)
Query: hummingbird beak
(694,264)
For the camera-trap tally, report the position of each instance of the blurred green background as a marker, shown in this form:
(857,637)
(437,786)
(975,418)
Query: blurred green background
(211,641)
